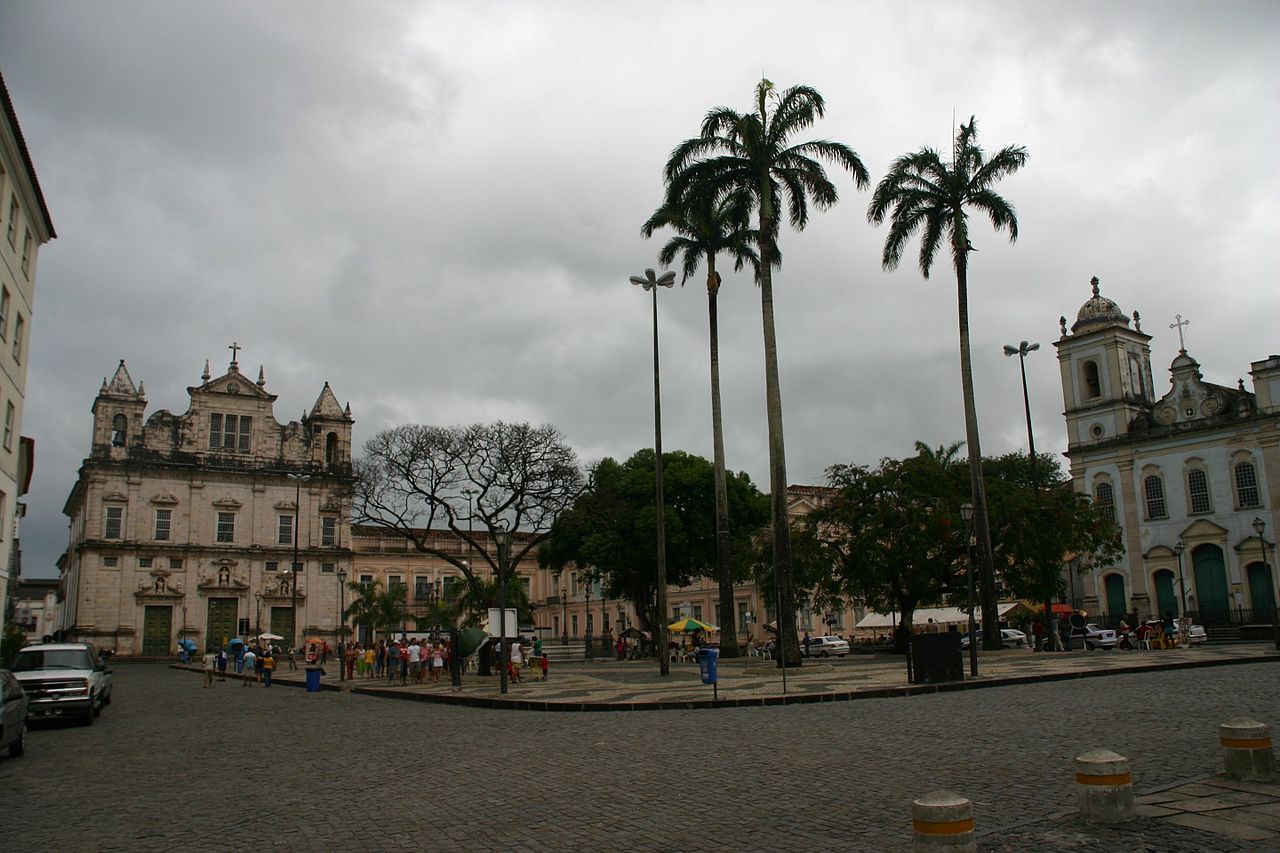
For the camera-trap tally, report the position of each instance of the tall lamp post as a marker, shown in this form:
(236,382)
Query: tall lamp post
(1259,525)
(503,540)
(1021,351)
(564,611)
(342,624)
(1182,582)
(294,567)
(651,283)
(586,618)
(966,514)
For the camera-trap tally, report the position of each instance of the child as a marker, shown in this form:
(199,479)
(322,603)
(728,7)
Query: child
(545,664)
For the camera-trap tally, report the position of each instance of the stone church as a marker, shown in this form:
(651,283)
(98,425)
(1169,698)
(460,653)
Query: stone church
(1191,476)
(216,523)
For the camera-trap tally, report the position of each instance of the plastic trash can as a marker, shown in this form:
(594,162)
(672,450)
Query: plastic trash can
(313,679)
(707,664)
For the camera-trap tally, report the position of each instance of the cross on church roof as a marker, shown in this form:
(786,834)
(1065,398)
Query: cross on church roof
(1182,345)
(235,349)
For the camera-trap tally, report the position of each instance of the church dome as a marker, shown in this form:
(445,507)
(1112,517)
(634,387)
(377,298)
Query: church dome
(1098,311)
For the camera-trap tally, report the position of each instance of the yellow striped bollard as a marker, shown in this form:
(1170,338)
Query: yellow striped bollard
(1246,750)
(1104,787)
(943,823)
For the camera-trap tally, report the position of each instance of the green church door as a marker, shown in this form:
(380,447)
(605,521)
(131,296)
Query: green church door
(1166,595)
(1117,602)
(157,631)
(1262,592)
(282,624)
(1211,585)
(222,622)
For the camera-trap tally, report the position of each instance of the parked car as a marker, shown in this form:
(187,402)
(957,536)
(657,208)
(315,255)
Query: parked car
(13,715)
(821,647)
(63,680)
(1010,639)
(1094,637)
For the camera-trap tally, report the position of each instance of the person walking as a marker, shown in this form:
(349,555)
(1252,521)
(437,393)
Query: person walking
(258,665)
(222,664)
(380,659)
(210,663)
(268,667)
(517,660)
(393,661)
(808,641)
(370,655)
(437,662)
(351,652)
(293,657)
(246,665)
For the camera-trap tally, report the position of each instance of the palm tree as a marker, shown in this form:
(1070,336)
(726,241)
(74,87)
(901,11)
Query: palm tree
(751,153)
(382,611)
(930,196)
(705,227)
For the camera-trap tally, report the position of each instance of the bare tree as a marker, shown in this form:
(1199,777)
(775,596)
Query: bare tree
(412,479)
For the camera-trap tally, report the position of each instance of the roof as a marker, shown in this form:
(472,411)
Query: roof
(922,615)
(12,116)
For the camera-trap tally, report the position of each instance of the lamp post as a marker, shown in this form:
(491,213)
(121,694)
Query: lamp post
(1021,351)
(1259,526)
(503,540)
(1182,582)
(966,514)
(257,621)
(564,611)
(293,586)
(651,283)
(587,621)
(342,624)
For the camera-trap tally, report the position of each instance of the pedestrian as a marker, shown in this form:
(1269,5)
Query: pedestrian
(415,661)
(210,663)
(807,641)
(222,664)
(370,656)
(537,647)
(245,665)
(293,656)
(930,628)
(258,665)
(517,659)
(393,661)
(351,652)
(268,667)
(437,662)
(545,665)
(240,649)
(380,659)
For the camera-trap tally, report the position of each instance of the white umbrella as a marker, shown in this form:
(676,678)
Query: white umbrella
(270,637)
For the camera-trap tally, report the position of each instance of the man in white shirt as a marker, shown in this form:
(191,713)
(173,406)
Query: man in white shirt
(415,660)
(249,660)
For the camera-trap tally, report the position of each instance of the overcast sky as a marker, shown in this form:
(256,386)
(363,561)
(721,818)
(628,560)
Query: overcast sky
(436,207)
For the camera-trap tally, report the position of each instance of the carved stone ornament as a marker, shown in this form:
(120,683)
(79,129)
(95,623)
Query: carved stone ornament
(1211,406)
(227,503)
(164,499)
(285,505)
(1165,414)
(115,497)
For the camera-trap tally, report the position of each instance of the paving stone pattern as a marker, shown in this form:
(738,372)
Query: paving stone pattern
(173,766)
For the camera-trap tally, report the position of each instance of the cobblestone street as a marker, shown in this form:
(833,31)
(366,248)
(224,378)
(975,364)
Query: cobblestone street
(173,766)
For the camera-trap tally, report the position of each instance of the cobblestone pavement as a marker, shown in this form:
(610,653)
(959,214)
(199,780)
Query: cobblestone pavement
(173,766)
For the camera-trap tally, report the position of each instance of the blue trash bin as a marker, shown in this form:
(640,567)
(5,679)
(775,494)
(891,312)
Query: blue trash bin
(313,679)
(707,664)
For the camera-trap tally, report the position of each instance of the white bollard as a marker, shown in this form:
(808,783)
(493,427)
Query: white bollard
(1246,750)
(943,823)
(1104,787)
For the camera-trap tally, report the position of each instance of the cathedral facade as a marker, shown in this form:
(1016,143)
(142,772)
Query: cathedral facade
(1192,476)
(203,526)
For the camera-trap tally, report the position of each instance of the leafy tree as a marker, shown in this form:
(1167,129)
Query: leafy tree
(704,228)
(752,153)
(414,479)
(380,610)
(610,532)
(922,193)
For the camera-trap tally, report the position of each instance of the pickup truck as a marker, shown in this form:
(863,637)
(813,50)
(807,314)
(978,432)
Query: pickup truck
(63,680)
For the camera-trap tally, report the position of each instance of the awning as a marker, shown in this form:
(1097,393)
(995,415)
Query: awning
(922,615)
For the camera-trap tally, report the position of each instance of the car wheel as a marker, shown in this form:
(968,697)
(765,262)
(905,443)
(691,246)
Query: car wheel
(87,718)
(97,709)
(824,655)
(1089,646)
(19,746)
(106,700)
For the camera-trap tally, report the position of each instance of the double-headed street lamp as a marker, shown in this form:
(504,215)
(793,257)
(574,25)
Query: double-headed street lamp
(1182,581)
(966,514)
(651,283)
(342,624)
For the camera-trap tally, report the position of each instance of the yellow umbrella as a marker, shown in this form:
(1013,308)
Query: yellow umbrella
(691,624)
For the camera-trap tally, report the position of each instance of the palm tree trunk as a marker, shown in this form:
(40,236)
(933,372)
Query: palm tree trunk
(724,556)
(986,574)
(777,450)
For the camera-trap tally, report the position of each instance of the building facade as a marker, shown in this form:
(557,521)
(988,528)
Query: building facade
(216,523)
(25,226)
(1191,476)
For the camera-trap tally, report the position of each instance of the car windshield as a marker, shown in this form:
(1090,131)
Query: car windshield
(33,660)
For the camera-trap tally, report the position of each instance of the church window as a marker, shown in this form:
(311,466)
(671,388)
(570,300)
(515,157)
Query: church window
(226,527)
(13,220)
(164,523)
(9,414)
(119,426)
(1198,489)
(284,531)
(1104,496)
(328,530)
(422,588)
(18,325)
(230,432)
(272,565)
(1135,376)
(175,562)
(1092,384)
(1246,485)
(26,252)
(144,562)
(1153,488)
(331,448)
(114,522)
(326,567)
(4,313)
(110,562)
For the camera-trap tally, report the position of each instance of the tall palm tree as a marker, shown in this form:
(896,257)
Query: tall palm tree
(704,228)
(921,193)
(752,153)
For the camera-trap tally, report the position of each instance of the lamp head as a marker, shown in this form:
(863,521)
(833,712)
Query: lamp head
(649,280)
(1029,347)
(1179,548)
(1008,350)
(966,512)
(342,575)
(502,537)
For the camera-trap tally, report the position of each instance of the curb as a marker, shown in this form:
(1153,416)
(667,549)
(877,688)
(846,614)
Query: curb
(239,676)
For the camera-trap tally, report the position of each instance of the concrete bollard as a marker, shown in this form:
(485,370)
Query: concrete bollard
(1246,750)
(943,823)
(1104,787)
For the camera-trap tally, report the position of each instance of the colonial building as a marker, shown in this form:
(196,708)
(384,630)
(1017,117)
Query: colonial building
(210,524)
(25,226)
(1192,476)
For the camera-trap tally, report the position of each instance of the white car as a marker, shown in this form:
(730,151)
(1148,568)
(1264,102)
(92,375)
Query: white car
(821,647)
(1095,637)
(1195,633)
(1010,638)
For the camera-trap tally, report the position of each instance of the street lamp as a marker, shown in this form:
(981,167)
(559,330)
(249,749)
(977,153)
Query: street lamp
(966,514)
(342,624)
(564,611)
(503,539)
(1259,525)
(1182,583)
(257,619)
(587,621)
(293,587)
(651,283)
(1021,351)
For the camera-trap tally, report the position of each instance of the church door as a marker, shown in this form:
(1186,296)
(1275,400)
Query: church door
(282,624)
(1117,602)
(157,631)
(1211,585)
(1262,592)
(1166,595)
(222,622)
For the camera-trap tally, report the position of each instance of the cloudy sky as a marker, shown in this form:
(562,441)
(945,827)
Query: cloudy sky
(436,206)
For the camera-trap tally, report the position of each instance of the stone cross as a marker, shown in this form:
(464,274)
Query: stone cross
(235,349)
(1182,345)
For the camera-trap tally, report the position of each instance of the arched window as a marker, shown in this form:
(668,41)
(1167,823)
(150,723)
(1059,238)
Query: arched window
(1104,496)
(119,427)
(1246,485)
(331,448)
(1198,490)
(1153,489)
(1092,384)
